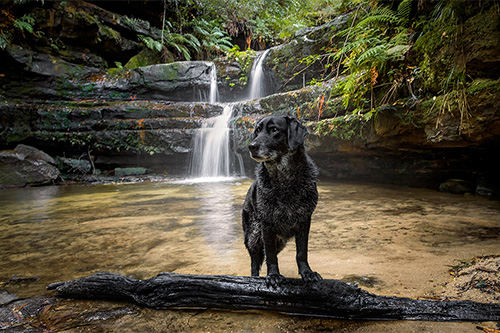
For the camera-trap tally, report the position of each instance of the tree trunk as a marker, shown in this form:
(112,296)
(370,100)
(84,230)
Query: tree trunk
(327,298)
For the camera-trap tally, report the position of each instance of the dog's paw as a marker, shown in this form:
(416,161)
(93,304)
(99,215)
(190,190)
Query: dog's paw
(310,276)
(274,280)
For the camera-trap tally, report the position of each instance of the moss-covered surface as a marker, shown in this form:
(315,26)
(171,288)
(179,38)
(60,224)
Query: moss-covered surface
(145,57)
(306,58)
(453,53)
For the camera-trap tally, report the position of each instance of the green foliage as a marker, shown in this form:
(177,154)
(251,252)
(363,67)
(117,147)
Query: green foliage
(245,59)
(267,21)
(448,11)
(151,43)
(213,40)
(373,45)
(172,41)
(25,23)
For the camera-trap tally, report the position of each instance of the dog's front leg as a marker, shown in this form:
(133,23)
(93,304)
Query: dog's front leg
(274,278)
(301,242)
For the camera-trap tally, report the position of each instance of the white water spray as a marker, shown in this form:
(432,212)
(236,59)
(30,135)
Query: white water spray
(211,153)
(212,158)
(257,75)
(214,92)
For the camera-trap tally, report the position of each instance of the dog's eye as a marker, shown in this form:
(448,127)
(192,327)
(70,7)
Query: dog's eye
(274,129)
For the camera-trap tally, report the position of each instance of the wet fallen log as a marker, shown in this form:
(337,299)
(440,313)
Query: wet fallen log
(327,298)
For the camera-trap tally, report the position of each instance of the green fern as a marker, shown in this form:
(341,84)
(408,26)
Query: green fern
(372,45)
(151,43)
(373,54)
(381,16)
(177,41)
(25,23)
(212,38)
(404,11)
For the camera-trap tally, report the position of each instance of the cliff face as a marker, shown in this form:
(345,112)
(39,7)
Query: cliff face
(58,93)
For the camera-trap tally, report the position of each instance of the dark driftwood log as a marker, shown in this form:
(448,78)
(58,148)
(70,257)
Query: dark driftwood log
(327,298)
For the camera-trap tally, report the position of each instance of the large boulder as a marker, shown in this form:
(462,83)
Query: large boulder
(27,167)
(183,81)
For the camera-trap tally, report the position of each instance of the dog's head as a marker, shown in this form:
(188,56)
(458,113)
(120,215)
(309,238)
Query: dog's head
(275,136)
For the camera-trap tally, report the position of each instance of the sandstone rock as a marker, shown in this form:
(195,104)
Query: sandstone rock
(73,165)
(18,169)
(34,153)
(457,186)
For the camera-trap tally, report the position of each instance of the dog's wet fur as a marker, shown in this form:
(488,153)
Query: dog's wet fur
(281,200)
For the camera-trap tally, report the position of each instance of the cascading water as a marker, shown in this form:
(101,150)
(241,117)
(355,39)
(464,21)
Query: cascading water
(257,76)
(214,92)
(211,154)
(211,158)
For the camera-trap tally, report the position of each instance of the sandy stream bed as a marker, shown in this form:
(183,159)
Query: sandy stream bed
(393,241)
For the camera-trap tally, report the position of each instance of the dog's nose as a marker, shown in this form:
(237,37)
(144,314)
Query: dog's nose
(253,147)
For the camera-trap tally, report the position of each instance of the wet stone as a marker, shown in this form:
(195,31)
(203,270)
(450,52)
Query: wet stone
(6,297)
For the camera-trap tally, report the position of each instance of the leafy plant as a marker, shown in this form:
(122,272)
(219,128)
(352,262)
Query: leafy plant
(151,43)
(175,41)
(213,39)
(268,21)
(372,45)
(25,23)
(348,127)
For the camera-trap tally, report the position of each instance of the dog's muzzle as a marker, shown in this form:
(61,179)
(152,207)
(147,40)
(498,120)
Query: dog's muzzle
(254,151)
(257,154)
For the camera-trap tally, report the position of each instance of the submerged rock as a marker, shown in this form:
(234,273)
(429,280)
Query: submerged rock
(457,186)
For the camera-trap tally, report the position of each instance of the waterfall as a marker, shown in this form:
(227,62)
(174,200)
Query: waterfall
(214,92)
(211,152)
(257,76)
(212,157)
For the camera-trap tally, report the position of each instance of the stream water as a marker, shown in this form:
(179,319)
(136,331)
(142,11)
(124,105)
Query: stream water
(257,85)
(391,240)
(211,156)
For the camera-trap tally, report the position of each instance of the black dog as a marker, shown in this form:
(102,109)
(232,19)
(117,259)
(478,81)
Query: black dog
(281,200)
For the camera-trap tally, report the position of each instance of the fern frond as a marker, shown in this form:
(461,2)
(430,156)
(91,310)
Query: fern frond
(404,11)
(151,43)
(182,50)
(25,23)
(376,53)
(397,51)
(381,16)
(192,41)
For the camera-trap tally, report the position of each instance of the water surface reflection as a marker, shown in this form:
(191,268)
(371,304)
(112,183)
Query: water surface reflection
(377,233)
(218,214)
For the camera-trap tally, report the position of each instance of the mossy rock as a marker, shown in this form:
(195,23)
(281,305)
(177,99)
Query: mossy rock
(470,50)
(145,58)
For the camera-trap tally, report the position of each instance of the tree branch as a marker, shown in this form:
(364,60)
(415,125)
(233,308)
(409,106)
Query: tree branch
(327,298)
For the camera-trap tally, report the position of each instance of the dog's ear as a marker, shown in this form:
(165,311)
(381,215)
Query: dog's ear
(296,133)
(257,128)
